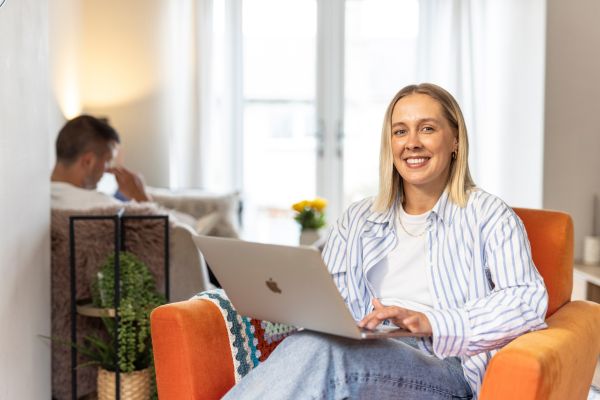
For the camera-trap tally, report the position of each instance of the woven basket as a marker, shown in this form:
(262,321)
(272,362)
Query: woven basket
(134,385)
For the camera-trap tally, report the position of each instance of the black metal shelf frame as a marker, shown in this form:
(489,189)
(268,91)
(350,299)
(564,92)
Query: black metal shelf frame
(119,220)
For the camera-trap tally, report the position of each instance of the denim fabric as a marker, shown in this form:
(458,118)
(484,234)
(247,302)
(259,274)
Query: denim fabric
(309,365)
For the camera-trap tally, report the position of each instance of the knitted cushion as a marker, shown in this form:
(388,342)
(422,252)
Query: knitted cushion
(251,340)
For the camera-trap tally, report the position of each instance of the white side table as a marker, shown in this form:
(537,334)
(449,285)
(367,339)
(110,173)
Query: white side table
(586,282)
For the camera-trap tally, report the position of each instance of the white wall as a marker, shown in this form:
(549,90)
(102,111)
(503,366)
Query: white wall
(129,64)
(24,201)
(64,43)
(572,115)
(120,70)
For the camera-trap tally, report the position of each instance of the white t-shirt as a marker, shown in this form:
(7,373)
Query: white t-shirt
(400,278)
(65,196)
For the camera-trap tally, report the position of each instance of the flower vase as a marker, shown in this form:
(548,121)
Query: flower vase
(309,237)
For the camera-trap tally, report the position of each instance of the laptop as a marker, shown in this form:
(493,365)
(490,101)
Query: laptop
(285,284)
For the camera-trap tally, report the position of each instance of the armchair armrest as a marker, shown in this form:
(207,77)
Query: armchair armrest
(198,203)
(554,363)
(191,351)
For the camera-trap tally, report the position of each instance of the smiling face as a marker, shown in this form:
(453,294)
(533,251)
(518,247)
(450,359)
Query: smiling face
(422,144)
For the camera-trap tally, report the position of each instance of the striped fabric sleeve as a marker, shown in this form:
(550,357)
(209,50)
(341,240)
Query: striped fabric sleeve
(450,331)
(334,255)
(517,303)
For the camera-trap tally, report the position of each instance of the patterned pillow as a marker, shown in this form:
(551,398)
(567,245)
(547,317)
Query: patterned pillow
(251,340)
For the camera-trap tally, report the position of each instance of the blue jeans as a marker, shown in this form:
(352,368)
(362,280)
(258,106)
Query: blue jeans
(309,365)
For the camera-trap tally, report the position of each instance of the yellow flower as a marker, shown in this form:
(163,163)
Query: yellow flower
(300,205)
(319,204)
(309,213)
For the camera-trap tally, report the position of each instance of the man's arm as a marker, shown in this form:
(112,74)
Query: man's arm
(130,183)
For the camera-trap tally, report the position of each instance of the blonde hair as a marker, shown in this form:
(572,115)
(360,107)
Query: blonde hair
(459,181)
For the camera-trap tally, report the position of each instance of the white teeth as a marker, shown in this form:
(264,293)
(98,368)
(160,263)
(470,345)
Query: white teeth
(416,160)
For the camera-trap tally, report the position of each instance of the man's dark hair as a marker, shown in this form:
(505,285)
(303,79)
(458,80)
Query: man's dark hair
(82,134)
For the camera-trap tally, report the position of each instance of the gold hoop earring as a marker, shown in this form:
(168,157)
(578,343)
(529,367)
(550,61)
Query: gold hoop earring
(454,155)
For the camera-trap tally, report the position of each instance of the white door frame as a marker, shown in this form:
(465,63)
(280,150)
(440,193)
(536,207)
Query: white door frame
(330,103)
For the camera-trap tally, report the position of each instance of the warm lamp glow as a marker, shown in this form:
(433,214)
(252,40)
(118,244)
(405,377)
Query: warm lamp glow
(67,90)
(70,105)
(120,61)
(107,83)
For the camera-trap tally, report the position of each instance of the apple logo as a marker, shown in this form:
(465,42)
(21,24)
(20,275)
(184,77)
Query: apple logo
(272,285)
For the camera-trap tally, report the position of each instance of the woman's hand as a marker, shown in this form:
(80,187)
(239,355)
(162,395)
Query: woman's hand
(413,321)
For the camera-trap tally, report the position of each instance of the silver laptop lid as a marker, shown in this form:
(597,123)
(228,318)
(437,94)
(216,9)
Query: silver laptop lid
(285,284)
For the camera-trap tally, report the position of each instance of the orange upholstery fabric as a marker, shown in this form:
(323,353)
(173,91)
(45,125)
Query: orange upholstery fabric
(559,362)
(554,363)
(193,358)
(551,236)
(191,351)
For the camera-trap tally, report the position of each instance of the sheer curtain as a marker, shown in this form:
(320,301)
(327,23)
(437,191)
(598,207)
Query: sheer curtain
(203,94)
(180,95)
(219,30)
(490,55)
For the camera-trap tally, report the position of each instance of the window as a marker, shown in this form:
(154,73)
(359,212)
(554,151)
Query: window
(278,139)
(293,109)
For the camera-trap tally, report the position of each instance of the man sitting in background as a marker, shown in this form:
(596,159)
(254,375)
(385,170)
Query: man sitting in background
(85,148)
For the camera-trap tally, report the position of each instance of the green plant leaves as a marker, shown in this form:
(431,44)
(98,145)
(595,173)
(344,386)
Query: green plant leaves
(310,218)
(138,298)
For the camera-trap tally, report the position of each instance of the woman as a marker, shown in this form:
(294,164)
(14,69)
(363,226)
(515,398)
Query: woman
(431,253)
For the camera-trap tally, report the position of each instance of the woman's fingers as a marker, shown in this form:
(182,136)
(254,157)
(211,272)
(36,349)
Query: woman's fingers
(373,314)
(418,323)
(414,321)
(363,322)
(376,303)
(380,314)
(371,320)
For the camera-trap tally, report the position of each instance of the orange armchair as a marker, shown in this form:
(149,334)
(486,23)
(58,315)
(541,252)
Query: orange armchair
(193,356)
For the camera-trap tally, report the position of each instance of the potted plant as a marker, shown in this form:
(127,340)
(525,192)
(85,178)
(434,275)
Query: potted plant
(138,298)
(310,214)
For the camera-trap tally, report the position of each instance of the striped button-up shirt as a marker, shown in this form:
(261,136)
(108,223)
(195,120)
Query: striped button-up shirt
(485,286)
